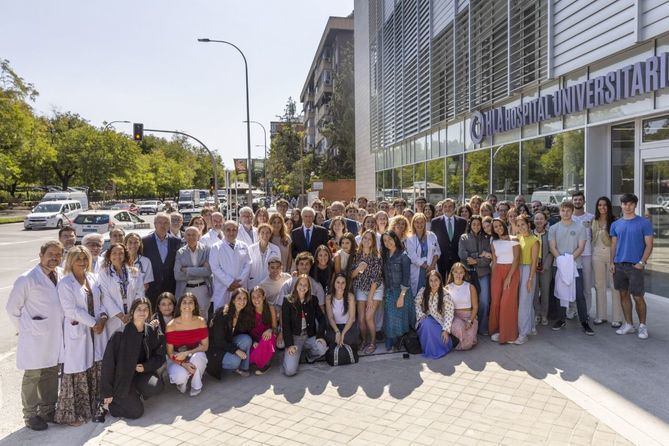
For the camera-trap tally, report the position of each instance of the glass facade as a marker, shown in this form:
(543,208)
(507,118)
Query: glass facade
(477,173)
(505,170)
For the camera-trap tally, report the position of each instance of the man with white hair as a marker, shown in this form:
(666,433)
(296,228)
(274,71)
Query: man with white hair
(247,233)
(214,234)
(94,242)
(309,236)
(230,264)
(337,209)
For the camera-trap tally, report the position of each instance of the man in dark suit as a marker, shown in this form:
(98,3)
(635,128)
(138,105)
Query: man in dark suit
(161,248)
(309,236)
(337,209)
(448,229)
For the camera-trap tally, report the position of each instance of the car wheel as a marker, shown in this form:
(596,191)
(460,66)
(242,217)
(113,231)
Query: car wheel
(59,225)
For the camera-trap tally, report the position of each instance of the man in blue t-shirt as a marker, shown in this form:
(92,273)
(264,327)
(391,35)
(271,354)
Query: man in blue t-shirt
(631,245)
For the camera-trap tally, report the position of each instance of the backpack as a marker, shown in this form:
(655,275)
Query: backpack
(411,343)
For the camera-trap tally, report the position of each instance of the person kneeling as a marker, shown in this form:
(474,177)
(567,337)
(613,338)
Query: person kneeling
(434,315)
(303,324)
(230,342)
(129,364)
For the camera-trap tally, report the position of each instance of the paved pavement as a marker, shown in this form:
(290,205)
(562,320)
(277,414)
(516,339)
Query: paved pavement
(559,388)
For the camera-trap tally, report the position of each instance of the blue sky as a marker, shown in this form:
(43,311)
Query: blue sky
(140,61)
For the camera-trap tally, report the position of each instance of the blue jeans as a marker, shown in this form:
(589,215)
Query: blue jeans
(233,362)
(484,303)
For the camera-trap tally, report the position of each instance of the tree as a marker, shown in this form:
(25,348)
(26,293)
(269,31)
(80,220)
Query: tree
(68,142)
(339,159)
(285,153)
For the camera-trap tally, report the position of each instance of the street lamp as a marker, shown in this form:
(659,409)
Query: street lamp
(264,165)
(109,124)
(248,119)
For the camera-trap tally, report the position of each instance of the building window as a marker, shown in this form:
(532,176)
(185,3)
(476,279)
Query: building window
(379,185)
(435,180)
(655,129)
(552,167)
(419,180)
(622,160)
(505,171)
(388,191)
(454,177)
(477,172)
(407,183)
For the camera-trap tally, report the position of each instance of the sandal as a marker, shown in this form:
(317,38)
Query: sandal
(363,347)
(370,349)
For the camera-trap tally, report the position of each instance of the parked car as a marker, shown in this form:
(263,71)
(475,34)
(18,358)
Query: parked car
(550,196)
(104,221)
(150,207)
(187,214)
(659,217)
(52,214)
(141,232)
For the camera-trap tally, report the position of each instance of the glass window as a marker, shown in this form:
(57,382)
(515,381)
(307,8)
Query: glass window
(419,179)
(505,171)
(655,129)
(420,148)
(454,177)
(456,141)
(622,161)
(443,139)
(655,195)
(435,180)
(552,167)
(379,185)
(477,172)
(397,182)
(435,145)
(407,183)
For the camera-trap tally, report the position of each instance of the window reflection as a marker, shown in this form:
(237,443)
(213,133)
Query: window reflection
(655,129)
(505,171)
(477,172)
(435,180)
(454,177)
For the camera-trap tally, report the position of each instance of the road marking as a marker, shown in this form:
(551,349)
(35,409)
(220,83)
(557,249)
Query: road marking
(6,287)
(26,241)
(7,354)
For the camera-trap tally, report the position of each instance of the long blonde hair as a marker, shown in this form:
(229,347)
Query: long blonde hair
(72,256)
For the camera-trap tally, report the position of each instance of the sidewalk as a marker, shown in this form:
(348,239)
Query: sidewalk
(559,388)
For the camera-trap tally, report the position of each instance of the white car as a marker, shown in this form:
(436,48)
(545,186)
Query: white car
(52,214)
(150,207)
(104,221)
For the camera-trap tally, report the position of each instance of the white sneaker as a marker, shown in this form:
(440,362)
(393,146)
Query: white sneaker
(495,337)
(195,392)
(571,314)
(534,331)
(521,340)
(643,331)
(544,320)
(625,329)
(182,387)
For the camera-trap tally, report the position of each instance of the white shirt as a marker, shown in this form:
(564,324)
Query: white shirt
(504,251)
(211,237)
(311,233)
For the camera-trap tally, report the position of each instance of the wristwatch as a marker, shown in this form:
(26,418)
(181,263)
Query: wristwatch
(641,262)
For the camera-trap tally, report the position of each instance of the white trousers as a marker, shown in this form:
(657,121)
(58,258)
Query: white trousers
(179,375)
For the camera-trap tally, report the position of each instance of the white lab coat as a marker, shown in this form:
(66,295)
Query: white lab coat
(244,236)
(228,265)
(259,270)
(413,251)
(143,265)
(210,238)
(81,348)
(34,296)
(565,279)
(112,299)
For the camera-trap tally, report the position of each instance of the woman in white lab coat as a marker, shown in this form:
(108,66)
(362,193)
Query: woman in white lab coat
(423,251)
(133,244)
(260,252)
(83,333)
(120,285)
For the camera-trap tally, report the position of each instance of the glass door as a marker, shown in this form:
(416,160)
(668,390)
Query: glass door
(656,208)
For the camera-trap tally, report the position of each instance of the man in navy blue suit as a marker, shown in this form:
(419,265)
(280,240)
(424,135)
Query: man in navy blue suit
(448,229)
(309,236)
(337,209)
(161,248)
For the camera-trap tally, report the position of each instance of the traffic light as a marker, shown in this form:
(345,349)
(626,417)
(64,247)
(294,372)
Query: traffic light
(211,184)
(137,131)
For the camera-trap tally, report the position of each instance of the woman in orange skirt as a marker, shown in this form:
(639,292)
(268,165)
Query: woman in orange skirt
(503,323)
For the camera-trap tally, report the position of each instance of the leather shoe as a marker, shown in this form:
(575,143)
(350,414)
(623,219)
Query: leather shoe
(36,423)
(48,418)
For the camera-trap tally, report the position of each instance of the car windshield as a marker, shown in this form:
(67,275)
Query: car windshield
(186,195)
(92,219)
(47,207)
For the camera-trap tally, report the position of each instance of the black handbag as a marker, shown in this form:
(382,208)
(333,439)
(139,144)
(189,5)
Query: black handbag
(411,343)
(343,355)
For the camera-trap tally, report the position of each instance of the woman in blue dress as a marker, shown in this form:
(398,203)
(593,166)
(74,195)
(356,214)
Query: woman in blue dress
(434,310)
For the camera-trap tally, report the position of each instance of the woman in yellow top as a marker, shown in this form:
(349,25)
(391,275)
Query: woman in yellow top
(529,253)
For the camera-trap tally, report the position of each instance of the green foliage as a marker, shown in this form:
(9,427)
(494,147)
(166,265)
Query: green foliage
(65,149)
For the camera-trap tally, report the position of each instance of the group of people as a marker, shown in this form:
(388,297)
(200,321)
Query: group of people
(223,296)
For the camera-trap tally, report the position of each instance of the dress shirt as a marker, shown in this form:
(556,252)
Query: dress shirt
(162,246)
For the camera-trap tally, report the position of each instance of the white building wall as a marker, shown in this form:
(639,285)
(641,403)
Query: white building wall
(364,159)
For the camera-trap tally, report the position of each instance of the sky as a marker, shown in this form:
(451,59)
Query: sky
(140,61)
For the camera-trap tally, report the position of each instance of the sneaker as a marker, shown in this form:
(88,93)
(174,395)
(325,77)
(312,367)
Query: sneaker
(558,325)
(533,332)
(263,370)
(625,329)
(643,331)
(521,340)
(495,337)
(243,373)
(195,392)
(36,423)
(544,321)
(599,321)
(587,329)
(182,387)
(537,319)
(571,314)
(616,324)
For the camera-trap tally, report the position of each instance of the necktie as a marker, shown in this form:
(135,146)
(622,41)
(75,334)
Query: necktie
(220,236)
(52,276)
(232,246)
(308,237)
(450,228)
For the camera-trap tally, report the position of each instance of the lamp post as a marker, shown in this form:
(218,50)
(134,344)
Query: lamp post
(248,119)
(265,164)
(109,124)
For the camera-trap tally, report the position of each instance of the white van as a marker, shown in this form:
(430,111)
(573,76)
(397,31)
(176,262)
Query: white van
(70,194)
(548,197)
(52,214)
